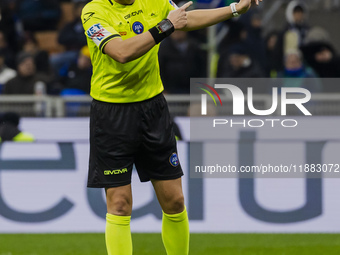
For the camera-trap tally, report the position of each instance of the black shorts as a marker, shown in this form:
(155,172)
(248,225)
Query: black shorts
(131,133)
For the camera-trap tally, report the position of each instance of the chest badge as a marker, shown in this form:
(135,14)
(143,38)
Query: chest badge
(137,27)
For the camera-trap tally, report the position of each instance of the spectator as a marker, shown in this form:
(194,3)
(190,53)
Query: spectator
(252,21)
(10,26)
(295,69)
(274,54)
(297,28)
(180,59)
(41,57)
(5,73)
(7,51)
(9,129)
(72,37)
(322,57)
(39,15)
(27,81)
(237,63)
(236,34)
(72,34)
(78,75)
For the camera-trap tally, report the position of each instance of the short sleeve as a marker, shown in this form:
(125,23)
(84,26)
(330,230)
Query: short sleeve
(97,28)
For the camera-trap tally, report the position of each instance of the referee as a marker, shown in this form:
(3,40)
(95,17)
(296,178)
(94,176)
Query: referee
(130,122)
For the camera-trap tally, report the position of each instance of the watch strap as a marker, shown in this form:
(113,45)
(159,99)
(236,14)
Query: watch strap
(234,10)
(165,23)
(159,33)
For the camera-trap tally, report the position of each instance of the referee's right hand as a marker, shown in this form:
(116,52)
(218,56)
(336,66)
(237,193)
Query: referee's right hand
(179,17)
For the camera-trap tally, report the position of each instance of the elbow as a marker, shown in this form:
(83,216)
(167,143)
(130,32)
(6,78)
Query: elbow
(122,60)
(122,57)
(120,52)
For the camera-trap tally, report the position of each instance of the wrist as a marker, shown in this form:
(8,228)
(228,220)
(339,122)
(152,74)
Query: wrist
(165,26)
(162,30)
(236,9)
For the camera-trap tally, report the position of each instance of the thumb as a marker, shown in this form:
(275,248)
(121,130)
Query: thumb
(185,6)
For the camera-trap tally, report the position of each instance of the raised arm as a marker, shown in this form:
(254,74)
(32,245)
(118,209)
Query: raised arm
(198,19)
(135,47)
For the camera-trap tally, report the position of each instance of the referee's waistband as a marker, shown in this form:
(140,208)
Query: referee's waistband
(159,96)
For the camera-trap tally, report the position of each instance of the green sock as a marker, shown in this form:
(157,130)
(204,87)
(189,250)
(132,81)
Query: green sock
(118,235)
(175,233)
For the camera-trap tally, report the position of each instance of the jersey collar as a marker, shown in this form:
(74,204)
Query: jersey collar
(114,3)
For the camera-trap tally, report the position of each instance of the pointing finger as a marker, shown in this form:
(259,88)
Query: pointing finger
(185,6)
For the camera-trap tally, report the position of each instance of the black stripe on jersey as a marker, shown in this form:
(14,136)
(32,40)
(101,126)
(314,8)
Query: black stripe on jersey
(101,46)
(110,2)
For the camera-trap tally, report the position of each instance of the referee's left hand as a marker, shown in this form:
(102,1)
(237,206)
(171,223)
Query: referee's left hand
(244,5)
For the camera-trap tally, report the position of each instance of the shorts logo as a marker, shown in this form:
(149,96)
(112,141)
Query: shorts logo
(118,171)
(138,27)
(174,159)
(123,33)
(96,32)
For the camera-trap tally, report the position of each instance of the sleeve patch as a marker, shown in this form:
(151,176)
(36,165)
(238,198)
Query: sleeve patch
(97,33)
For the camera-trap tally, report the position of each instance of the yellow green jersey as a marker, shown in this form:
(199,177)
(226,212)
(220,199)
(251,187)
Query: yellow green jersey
(105,20)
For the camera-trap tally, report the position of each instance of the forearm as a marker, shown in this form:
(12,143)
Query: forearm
(129,49)
(198,19)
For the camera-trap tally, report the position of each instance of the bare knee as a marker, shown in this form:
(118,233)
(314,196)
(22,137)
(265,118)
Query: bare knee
(170,195)
(119,206)
(119,202)
(174,205)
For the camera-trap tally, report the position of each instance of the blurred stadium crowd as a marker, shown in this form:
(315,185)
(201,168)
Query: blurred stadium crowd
(43,49)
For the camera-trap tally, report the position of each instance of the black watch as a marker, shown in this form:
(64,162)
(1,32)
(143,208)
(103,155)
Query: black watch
(165,26)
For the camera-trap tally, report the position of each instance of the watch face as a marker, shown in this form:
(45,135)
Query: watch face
(165,26)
